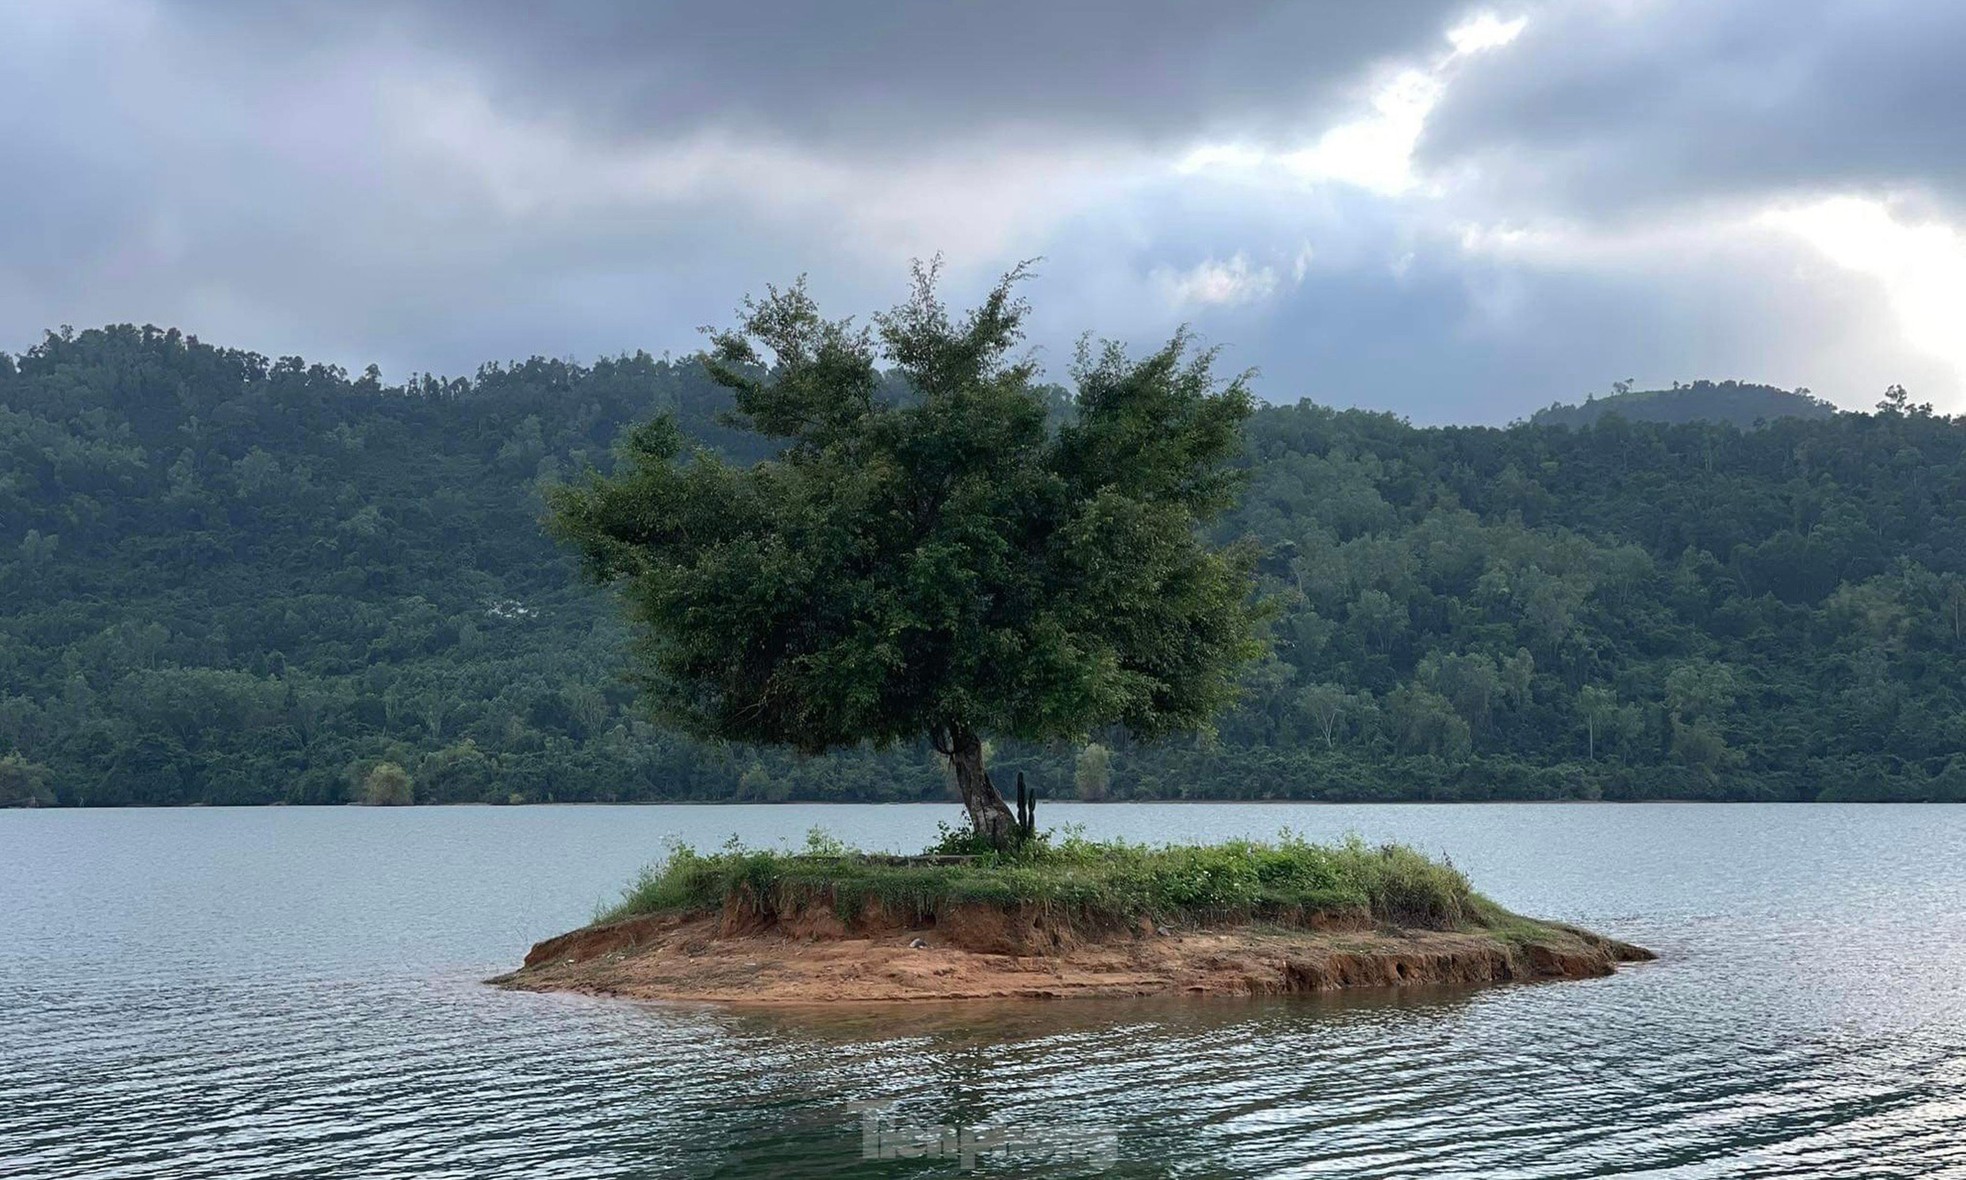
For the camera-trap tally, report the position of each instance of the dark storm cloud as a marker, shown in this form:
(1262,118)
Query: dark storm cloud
(1603,109)
(433,183)
(887,75)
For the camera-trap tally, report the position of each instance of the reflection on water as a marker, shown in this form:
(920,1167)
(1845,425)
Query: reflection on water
(294,992)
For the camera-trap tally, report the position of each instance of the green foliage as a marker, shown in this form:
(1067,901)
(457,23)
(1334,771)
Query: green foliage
(23,783)
(820,842)
(1633,610)
(959,840)
(943,564)
(387,785)
(229,578)
(1092,882)
(1093,774)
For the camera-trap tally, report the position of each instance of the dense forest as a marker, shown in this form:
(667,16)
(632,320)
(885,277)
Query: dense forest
(235,579)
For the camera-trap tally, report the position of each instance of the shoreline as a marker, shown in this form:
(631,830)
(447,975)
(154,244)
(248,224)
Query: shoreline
(978,952)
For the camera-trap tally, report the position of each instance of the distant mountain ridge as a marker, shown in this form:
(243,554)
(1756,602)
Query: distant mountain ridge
(1737,403)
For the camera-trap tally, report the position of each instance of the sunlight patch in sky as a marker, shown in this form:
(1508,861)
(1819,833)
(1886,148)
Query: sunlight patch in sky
(1374,152)
(1485,31)
(1922,266)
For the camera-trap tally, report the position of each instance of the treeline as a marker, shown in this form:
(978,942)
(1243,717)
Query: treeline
(235,579)
(1629,611)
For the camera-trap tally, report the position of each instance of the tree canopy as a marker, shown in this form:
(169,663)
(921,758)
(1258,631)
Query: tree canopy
(946,563)
(236,579)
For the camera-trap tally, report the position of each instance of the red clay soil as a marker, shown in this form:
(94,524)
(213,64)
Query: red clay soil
(980,952)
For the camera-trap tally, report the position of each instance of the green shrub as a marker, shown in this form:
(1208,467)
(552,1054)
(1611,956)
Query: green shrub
(23,783)
(387,785)
(1084,881)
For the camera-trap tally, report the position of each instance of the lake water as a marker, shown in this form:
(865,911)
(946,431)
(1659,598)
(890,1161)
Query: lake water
(295,992)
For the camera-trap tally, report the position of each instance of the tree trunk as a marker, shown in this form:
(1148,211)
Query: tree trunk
(989,815)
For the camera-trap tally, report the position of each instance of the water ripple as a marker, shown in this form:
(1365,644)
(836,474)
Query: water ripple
(250,994)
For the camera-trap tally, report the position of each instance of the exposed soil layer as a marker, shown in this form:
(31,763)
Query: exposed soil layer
(984,952)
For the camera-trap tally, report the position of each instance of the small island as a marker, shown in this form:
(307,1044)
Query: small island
(943,553)
(1054,919)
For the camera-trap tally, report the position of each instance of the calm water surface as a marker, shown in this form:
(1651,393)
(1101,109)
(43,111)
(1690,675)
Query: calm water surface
(294,992)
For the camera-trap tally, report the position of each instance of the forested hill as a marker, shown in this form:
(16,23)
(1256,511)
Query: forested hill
(230,579)
(1741,404)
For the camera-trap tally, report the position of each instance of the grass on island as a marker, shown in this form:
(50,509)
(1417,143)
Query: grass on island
(1079,882)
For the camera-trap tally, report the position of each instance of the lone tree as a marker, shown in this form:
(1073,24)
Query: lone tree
(942,564)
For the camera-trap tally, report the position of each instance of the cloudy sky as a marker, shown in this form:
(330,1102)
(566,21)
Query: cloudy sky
(1458,212)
